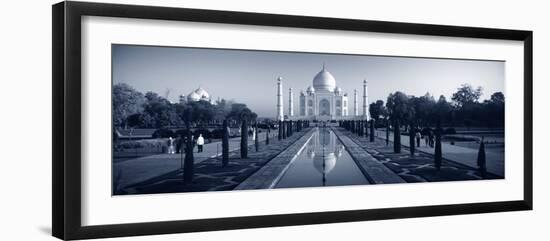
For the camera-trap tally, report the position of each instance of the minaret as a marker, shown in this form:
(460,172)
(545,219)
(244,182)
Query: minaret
(290,104)
(355,106)
(280,99)
(365,101)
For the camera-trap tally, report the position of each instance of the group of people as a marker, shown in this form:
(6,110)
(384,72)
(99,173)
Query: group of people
(175,144)
(428,136)
(179,143)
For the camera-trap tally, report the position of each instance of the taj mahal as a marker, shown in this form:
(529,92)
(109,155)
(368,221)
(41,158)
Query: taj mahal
(323,100)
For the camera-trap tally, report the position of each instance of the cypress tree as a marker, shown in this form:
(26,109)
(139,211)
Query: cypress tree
(371,136)
(244,139)
(396,137)
(387,132)
(438,155)
(257,138)
(284,129)
(189,161)
(411,139)
(280,130)
(367,127)
(290,128)
(267,132)
(225,144)
(481,163)
(364,126)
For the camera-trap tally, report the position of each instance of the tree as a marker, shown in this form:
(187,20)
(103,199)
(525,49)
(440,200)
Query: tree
(494,110)
(240,112)
(222,108)
(423,109)
(280,127)
(376,109)
(161,111)
(256,138)
(126,101)
(244,139)
(411,139)
(136,120)
(387,131)
(268,131)
(466,94)
(285,129)
(371,136)
(289,128)
(441,109)
(398,107)
(225,144)
(189,162)
(438,154)
(400,110)
(481,162)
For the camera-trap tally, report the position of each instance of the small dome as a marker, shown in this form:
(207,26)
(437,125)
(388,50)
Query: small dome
(310,89)
(337,90)
(324,81)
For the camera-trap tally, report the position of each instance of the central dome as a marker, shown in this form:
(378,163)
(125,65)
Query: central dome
(198,94)
(324,81)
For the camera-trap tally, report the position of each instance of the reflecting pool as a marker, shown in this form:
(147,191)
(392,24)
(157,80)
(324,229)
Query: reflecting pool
(323,162)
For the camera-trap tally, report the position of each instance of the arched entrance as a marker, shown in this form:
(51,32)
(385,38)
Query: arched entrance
(324,107)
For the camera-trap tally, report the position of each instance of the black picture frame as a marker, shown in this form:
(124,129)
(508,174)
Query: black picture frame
(66,157)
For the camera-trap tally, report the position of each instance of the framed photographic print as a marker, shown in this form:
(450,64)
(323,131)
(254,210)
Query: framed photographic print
(170,120)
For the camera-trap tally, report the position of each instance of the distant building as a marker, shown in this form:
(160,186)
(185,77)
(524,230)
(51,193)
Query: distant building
(323,100)
(196,95)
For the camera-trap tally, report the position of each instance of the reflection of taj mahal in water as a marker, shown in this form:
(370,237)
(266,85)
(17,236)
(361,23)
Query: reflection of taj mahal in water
(324,150)
(322,101)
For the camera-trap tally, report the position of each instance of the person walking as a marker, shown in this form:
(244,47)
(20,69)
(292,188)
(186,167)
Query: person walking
(200,143)
(427,138)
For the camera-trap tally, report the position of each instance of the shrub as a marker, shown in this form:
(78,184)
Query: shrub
(216,134)
(163,133)
(182,132)
(205,133)
(450,131)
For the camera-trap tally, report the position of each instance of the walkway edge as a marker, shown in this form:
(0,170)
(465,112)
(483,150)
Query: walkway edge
(374,171)
(268,176)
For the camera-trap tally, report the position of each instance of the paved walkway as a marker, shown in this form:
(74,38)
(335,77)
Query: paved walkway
(417,168)
(140,169)
(374,171)
(209,175)
(462,155)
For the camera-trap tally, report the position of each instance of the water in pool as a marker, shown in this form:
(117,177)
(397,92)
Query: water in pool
(323,162)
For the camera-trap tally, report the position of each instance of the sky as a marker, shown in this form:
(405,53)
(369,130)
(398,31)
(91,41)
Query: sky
(250,77)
